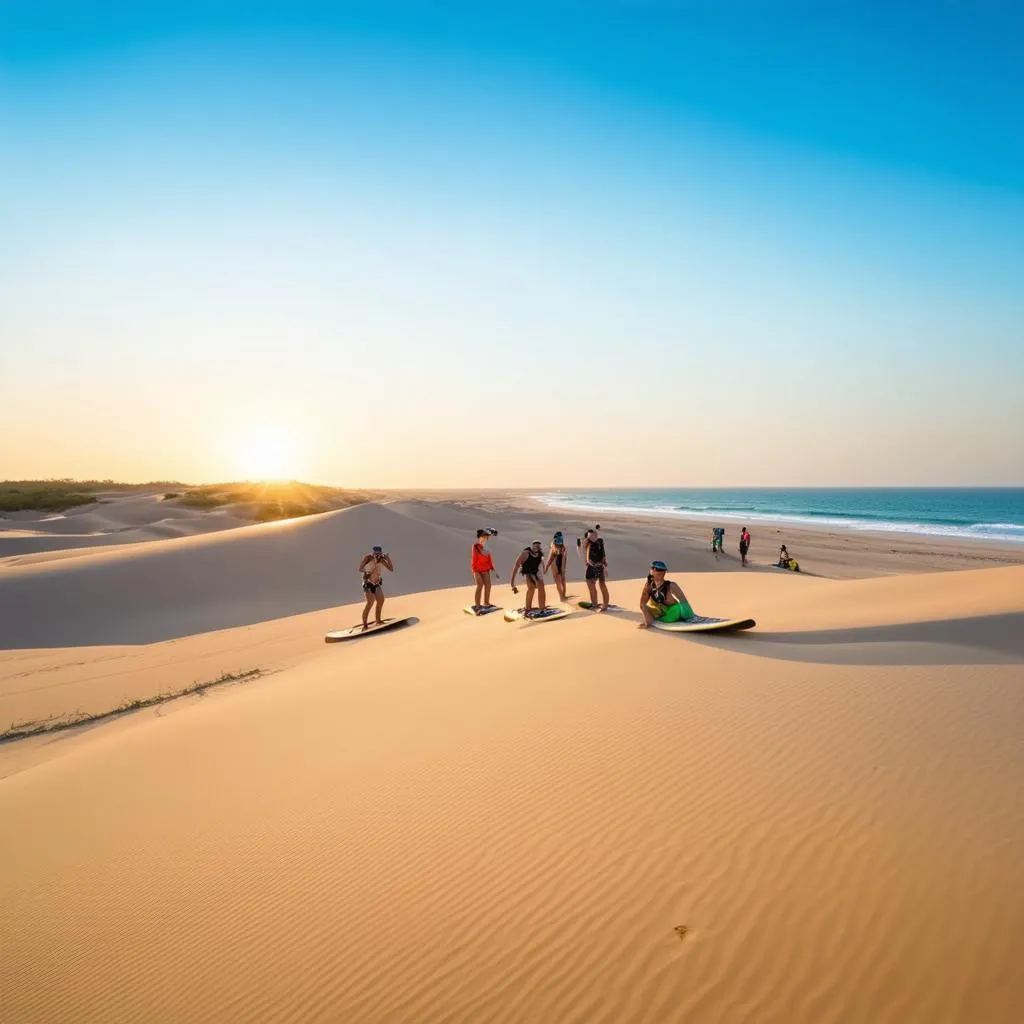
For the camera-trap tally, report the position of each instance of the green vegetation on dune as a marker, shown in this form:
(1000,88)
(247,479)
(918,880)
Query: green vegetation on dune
(40,498)
(58,723)
(260,501)
(268,501)
(61,494)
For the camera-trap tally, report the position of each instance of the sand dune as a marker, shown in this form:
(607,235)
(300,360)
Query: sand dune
(470,820)
(149,592)
(116,519)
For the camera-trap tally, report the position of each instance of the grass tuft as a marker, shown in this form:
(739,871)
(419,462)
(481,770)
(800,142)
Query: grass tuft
(58,723)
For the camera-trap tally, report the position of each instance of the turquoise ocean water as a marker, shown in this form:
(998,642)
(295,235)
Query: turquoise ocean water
(994,514)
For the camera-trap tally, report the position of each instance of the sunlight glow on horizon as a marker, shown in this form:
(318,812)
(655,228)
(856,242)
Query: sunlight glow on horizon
(514,245)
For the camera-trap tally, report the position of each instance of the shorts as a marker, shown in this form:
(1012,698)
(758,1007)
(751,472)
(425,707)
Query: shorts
(744,548)
(595,572)
(370,587)
(672,613)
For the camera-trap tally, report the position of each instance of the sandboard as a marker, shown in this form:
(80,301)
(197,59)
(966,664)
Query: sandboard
(485,610)
(591,607)
(701,624)
(353,632)
(551,612)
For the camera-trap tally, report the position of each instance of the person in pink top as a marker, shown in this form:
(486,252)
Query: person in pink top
(744,544)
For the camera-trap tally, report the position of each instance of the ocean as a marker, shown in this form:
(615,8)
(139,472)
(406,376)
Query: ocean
(974,513)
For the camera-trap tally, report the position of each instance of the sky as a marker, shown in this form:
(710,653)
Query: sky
(559,244)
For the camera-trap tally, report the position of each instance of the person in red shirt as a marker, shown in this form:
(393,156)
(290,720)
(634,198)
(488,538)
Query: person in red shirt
(744,544)
(481,564)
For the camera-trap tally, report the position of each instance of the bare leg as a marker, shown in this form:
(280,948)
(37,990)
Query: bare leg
(367,607)
(560,585)
(604,593)
(541,599)
(530,588)
(380,605)
(592,587)
(487,589)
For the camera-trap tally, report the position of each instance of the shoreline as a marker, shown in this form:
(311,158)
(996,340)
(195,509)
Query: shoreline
(854,525)
(832,552)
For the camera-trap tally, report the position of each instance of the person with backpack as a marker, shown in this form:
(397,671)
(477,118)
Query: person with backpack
(661,599)
(591,549)
(529,564)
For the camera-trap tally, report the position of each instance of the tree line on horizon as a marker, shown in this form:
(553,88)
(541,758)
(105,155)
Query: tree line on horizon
(262,501)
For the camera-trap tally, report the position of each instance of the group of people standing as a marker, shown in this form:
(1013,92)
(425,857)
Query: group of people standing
(532,565)
(661,598)
(718,539)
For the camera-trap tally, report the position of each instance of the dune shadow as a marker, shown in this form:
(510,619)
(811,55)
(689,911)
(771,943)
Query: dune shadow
(979,640)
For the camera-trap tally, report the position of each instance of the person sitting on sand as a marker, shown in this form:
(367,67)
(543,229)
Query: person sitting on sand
(593,554)
(556,563)
(528,563)
(786,561)
(481,565)
(661,599)
(372,567)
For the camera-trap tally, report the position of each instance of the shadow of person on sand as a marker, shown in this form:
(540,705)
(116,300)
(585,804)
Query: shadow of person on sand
(981,640)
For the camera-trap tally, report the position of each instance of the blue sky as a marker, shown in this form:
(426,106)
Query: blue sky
(623,243)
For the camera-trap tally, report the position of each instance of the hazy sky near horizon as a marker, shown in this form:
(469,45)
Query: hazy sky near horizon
(529,244)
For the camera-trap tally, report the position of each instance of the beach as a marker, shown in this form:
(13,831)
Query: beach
(465,819)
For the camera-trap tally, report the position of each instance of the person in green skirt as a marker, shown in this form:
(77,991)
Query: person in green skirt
(662,599)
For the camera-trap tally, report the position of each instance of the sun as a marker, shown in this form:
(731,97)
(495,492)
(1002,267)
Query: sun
(267,453)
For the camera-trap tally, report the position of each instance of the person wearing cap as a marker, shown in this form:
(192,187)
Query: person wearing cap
(372,567)
(592,552)
(556,563)
(481,565)
(529,564)
(662,599)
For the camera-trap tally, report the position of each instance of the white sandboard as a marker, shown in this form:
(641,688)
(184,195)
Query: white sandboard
(549,613)
(354,632)
(701,624)
(483,610)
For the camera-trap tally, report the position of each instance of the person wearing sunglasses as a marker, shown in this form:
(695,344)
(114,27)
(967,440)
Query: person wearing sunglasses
(661,599)
(372,567)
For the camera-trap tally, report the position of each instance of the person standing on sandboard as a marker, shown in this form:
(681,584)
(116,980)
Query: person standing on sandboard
(481,565)
(372,567)
(556,563)
(529,563)
(592,551)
